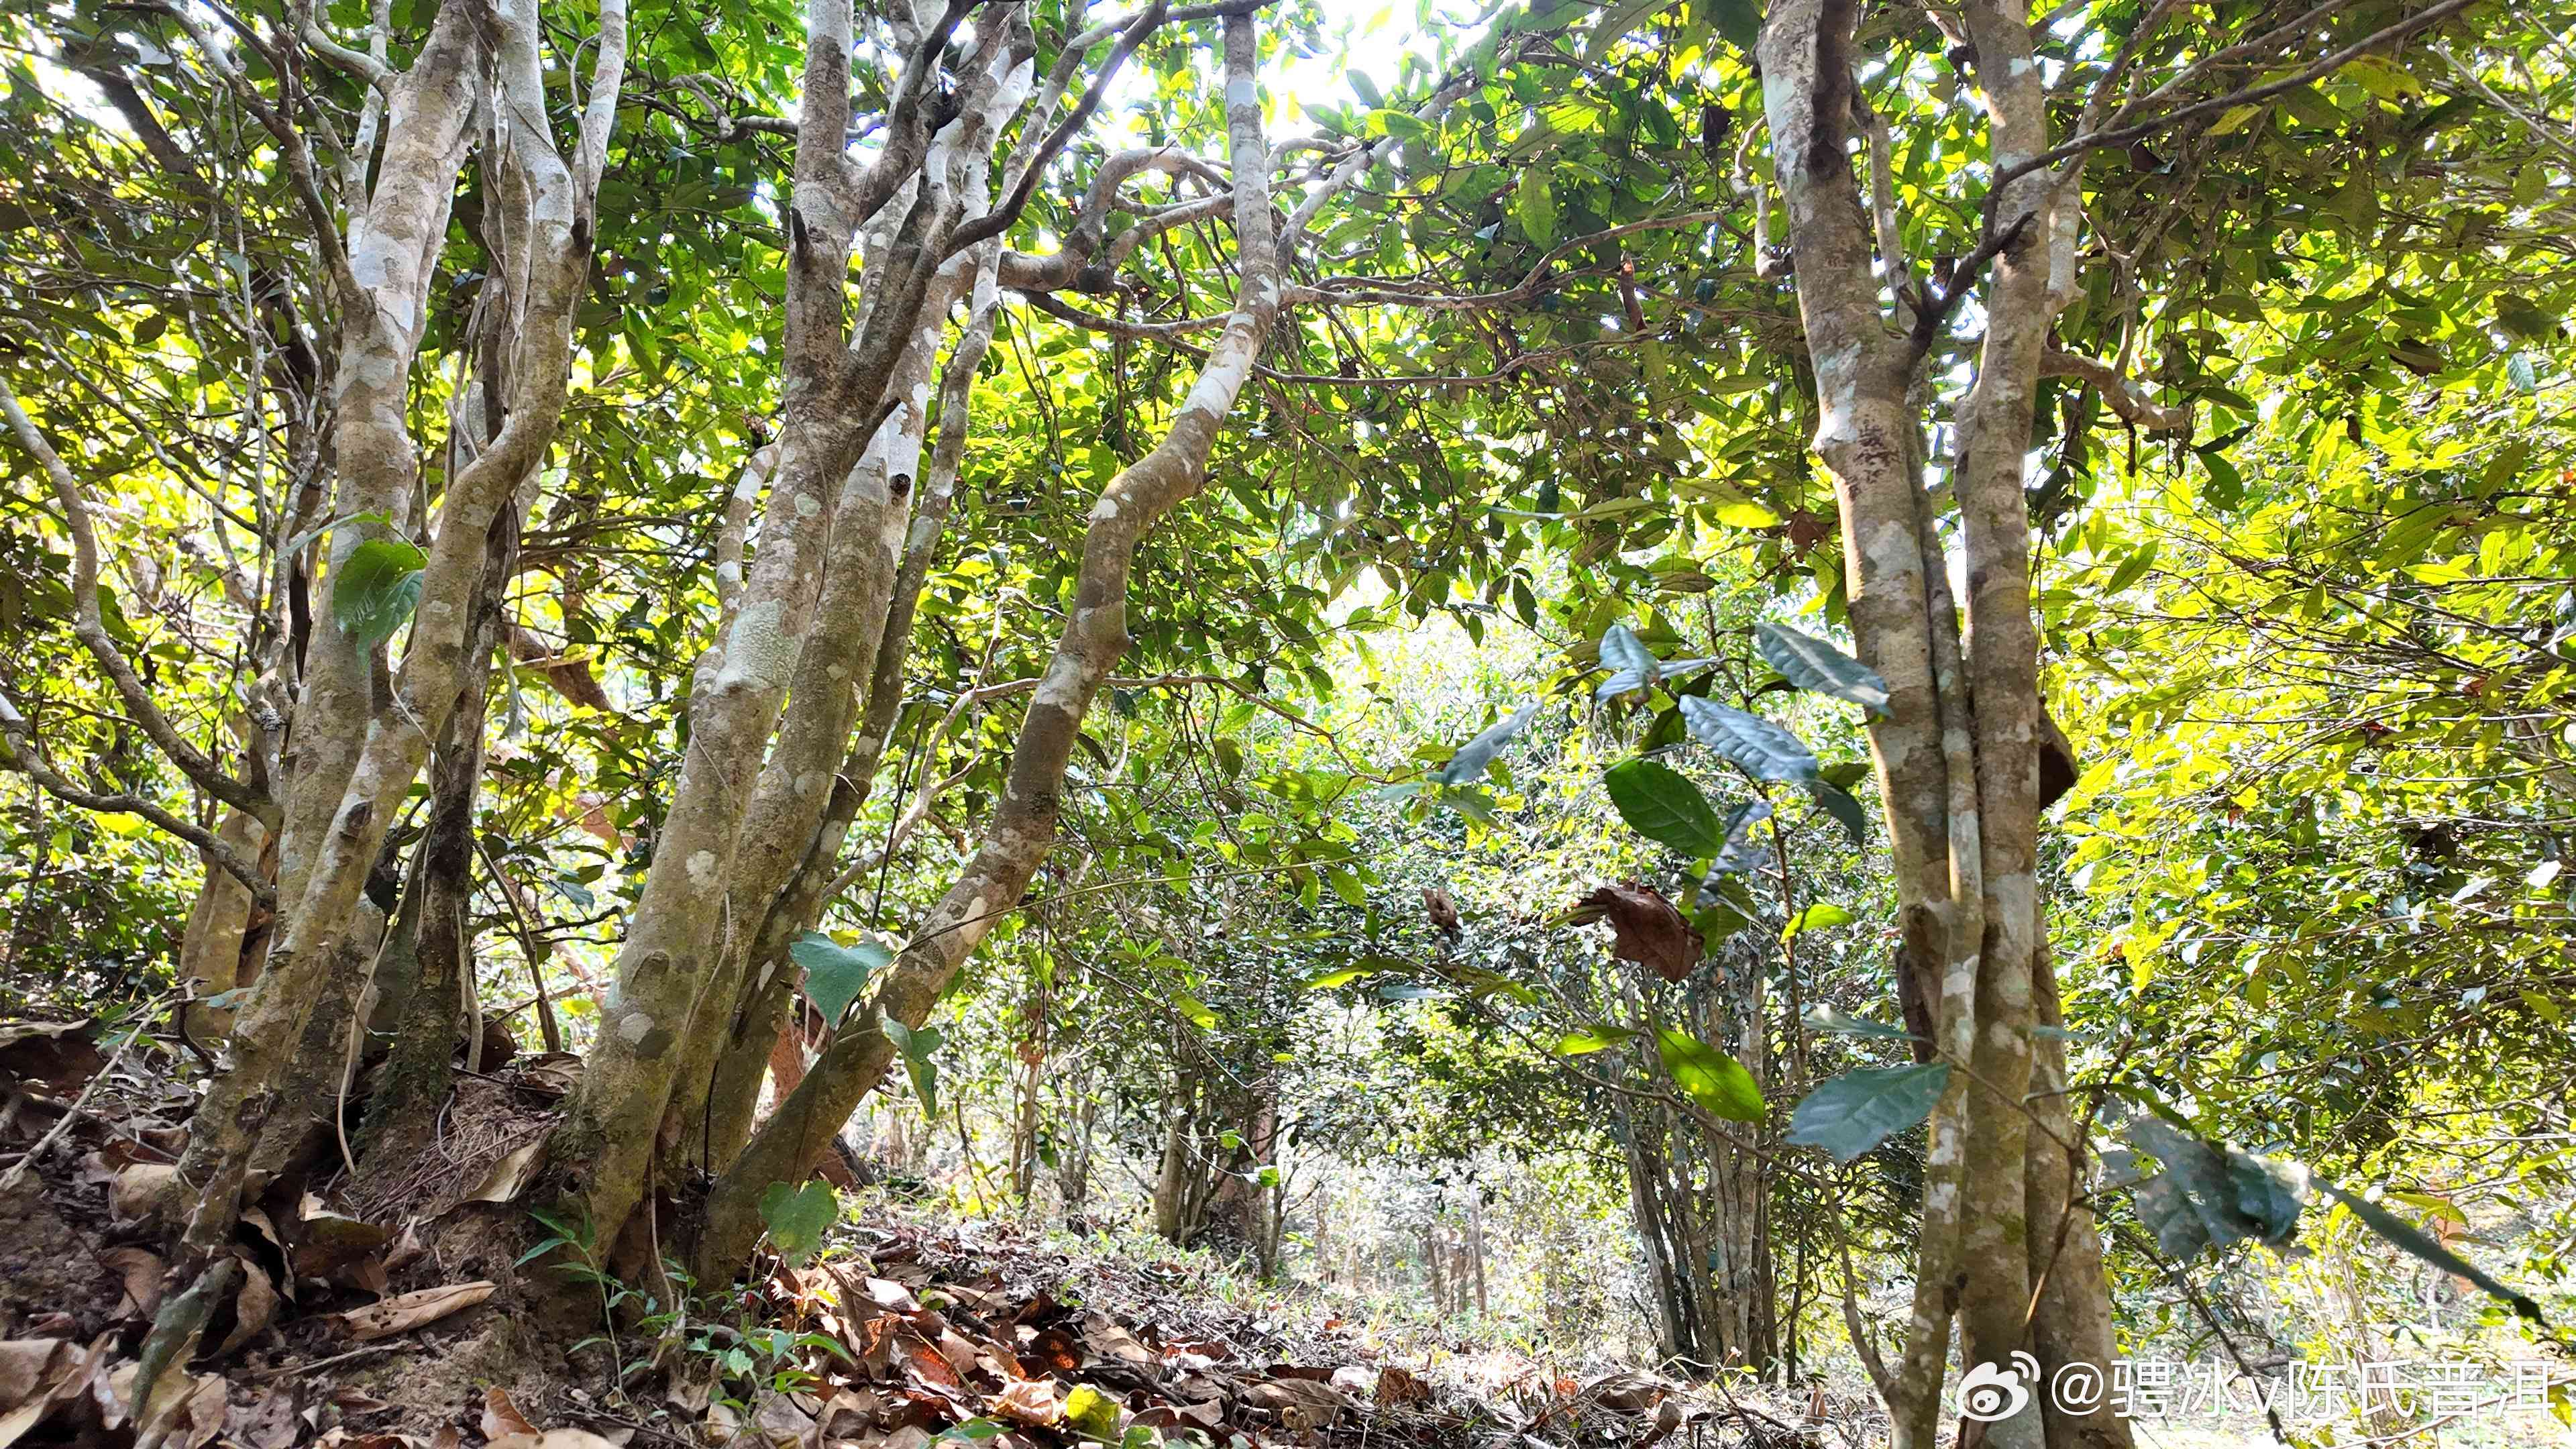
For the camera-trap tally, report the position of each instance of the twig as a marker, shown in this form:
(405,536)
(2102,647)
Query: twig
(282,1370)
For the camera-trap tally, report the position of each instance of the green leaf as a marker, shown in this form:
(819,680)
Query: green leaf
(1709,1077)
(375,590)
(1468,765)
(1819,668)
(798,1217)
(834,973)
(1839,804)
(1622,650)
(1402,125)
(1660,803)
(1534,207)
(2135,566)
(2209,1196)
(1862,1108)
(1763,749)
(1815,918)
(916,1044)
(1592,1039)
(1740,21)
(1093,1414)
(1826,1018)
(1194,1011)
(2425,1246)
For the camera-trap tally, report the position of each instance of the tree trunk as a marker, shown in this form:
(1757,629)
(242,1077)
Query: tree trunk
(1960,785)
(1095,636)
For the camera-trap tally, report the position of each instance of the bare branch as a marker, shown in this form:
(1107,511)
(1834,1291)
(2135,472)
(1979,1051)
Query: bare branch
(2122,395)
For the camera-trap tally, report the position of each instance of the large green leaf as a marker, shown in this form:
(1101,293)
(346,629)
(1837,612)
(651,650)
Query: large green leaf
(1839,804)
(1534,206)
(2429,1248)
(916,1044)
(376,588)
(834,973)
(1469,763)
(1740,21)
(798,1217)
(1587,1040)
(1763,749)
(1862,1108)
(1815,918)
(1709,1077)
(1631,664)
(1819,668)
(1661,803)
(2209,1196)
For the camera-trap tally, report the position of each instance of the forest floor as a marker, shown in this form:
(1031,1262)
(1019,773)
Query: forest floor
(402,1320)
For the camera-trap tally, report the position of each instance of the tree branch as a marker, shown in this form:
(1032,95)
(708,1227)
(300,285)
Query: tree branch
(91,628)
(25,757)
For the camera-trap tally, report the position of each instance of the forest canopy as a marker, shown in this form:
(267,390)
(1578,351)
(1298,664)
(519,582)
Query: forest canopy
(1818,686)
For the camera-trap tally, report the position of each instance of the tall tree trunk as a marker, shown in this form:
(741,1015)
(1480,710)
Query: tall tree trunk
(433,1015)
(1960,785)
(361,739)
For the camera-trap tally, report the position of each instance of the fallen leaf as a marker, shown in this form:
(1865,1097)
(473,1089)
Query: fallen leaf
(1109,1340)
(929,1366)
(1029,1401)
(1056,1349)
(141,1268)
(254,1307)
(502,1417)
(138,1193)
(553,1073)
(187,1419)
(1398,1385)
(777,1422)
(554,1439)
(851,1414)
(1092,1413)
(1299,1403)
(31,1367)
(329,1244)
(510,1176)
(407,1311)
(56,1055)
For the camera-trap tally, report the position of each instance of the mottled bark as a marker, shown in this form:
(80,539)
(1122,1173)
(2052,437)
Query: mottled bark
(430,1019)
(671,962)
(1095,635)
(1960,784)
(544,237)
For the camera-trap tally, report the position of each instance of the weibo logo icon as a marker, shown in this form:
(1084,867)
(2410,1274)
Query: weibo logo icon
(1989,1394)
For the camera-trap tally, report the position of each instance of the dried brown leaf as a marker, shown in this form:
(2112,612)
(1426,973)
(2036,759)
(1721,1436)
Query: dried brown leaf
(254,1307)
(1645,928)
(502,1417)
(407,1311)
(510,1176)
(1028,1401)
(141,1268)
(31,1367)
(139,1192)
(1398,1385)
